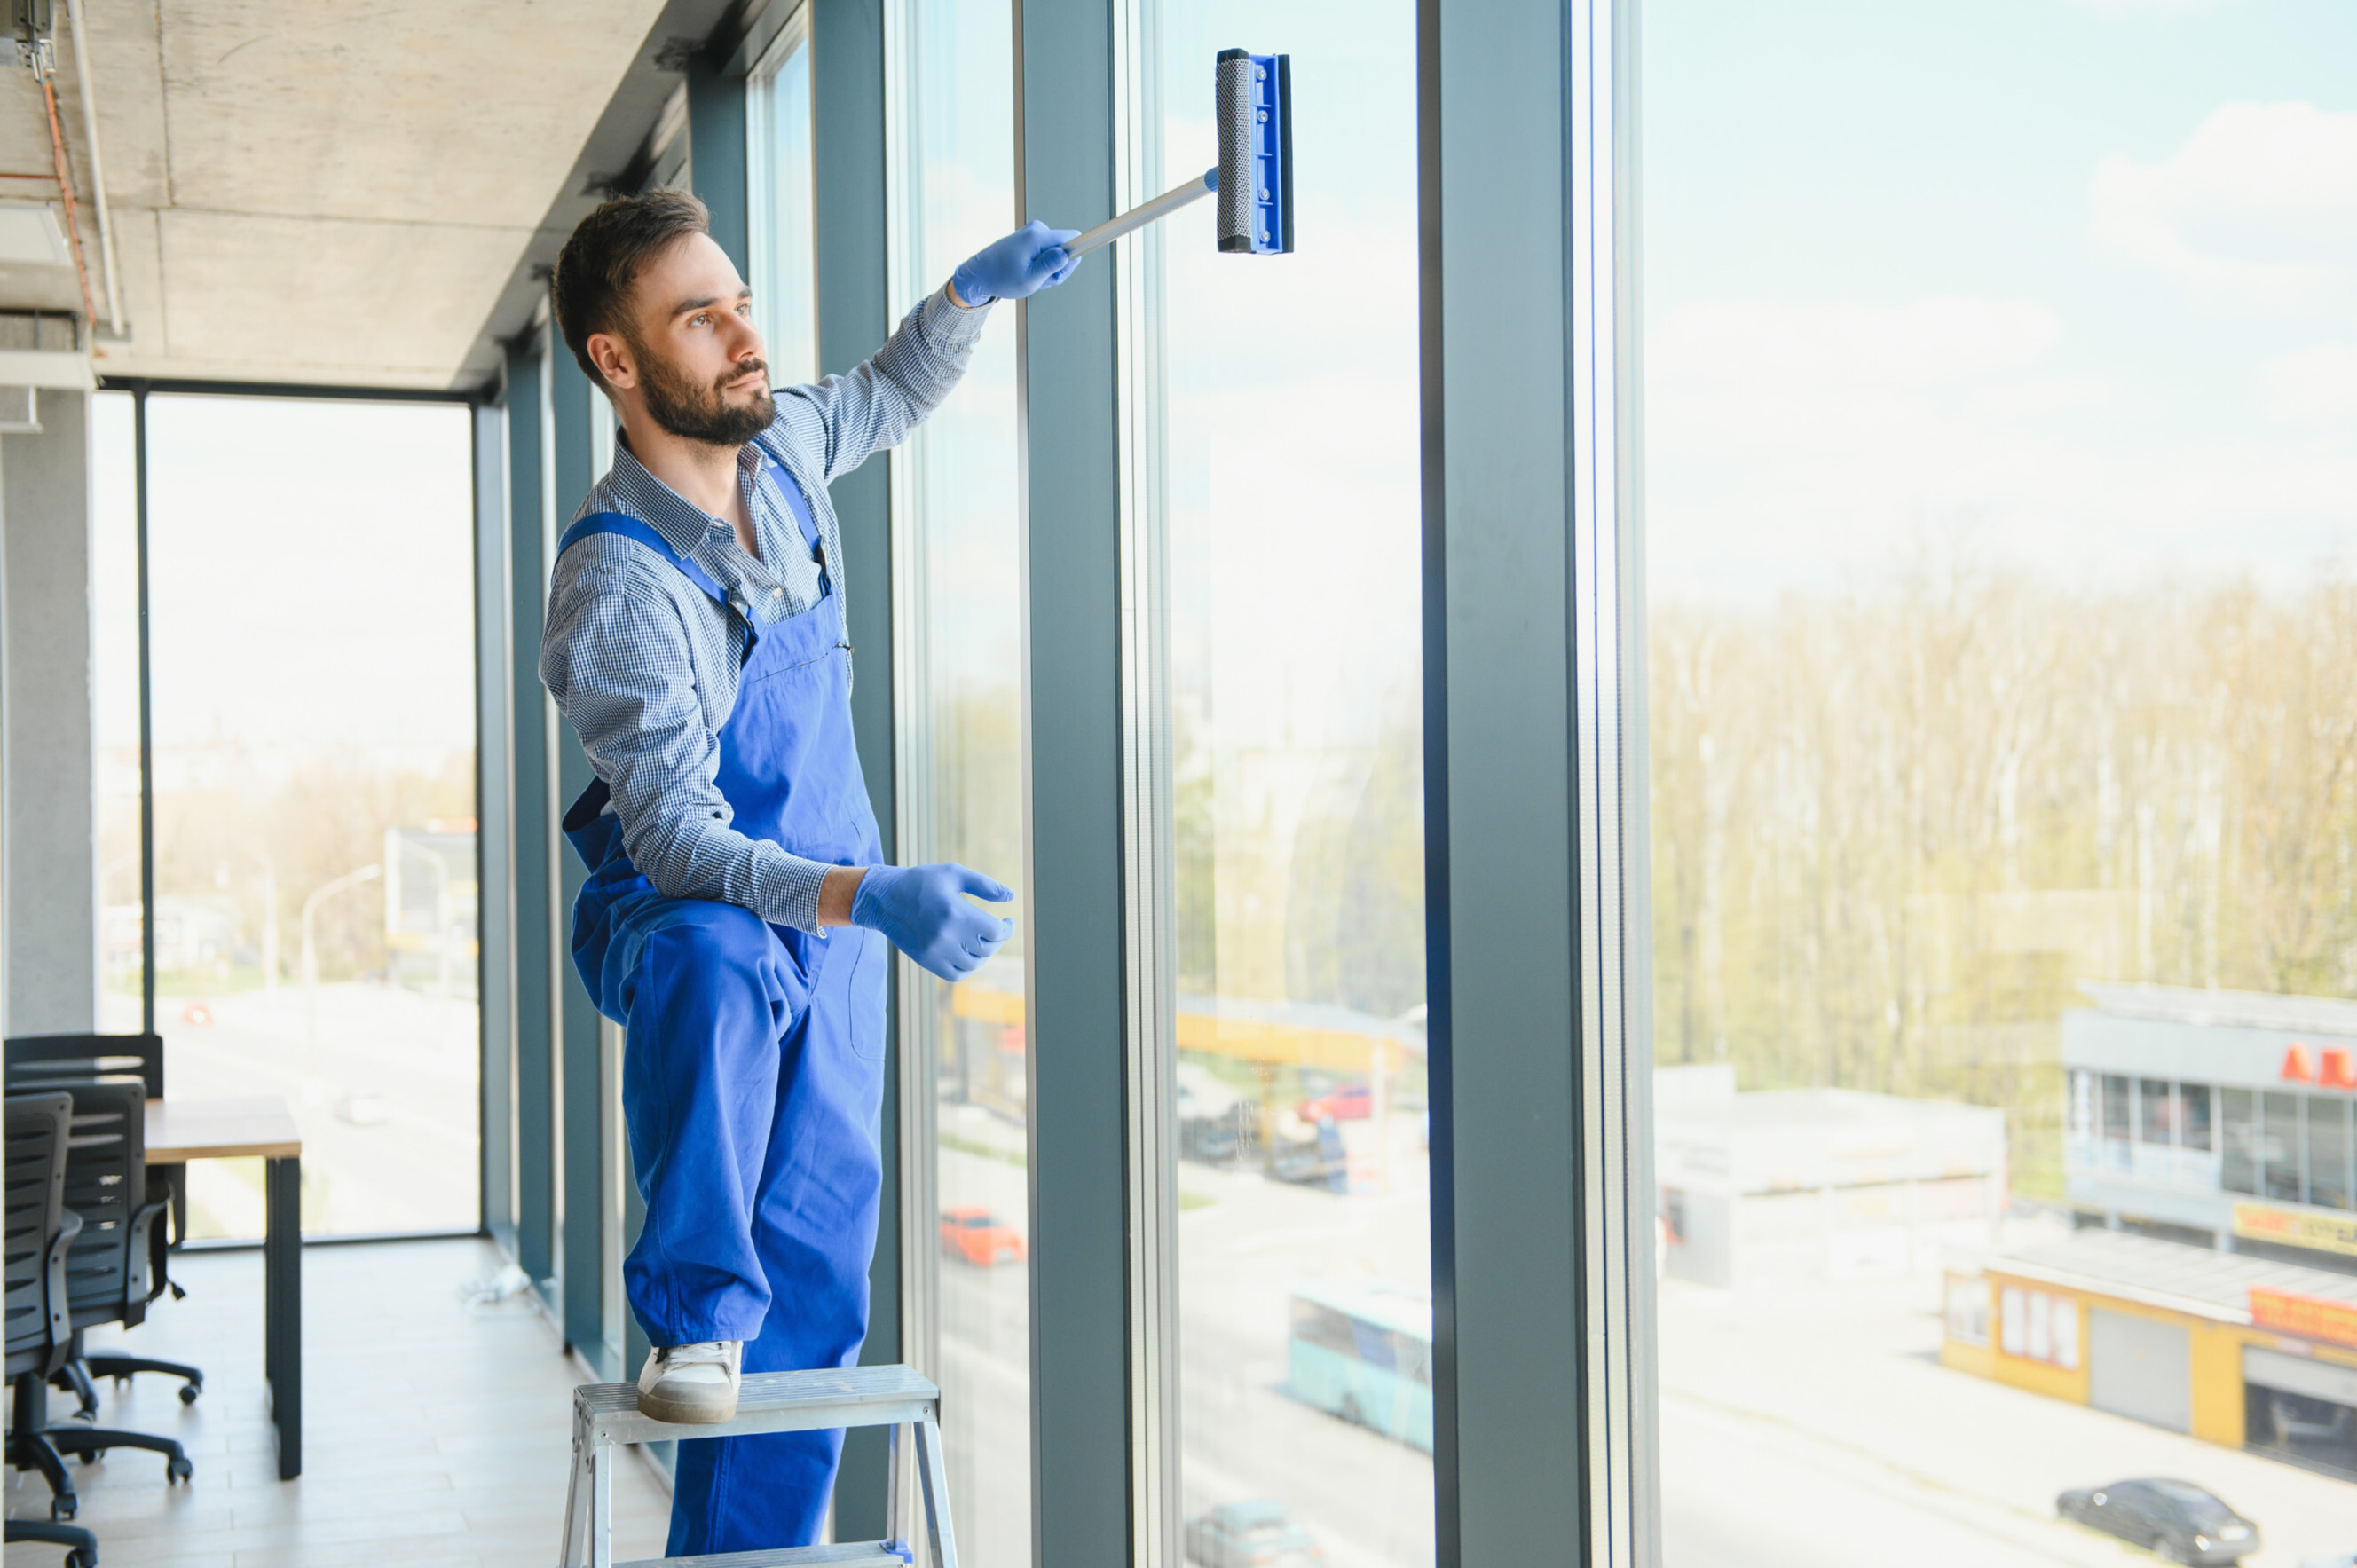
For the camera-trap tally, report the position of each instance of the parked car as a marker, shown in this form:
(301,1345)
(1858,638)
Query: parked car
(980,1237)
(1351,1102)
(2180,1522)
(1256,1534)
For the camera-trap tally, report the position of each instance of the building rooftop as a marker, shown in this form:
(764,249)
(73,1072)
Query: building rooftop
(2168,1273)
(1820,1110)
(2233,1009)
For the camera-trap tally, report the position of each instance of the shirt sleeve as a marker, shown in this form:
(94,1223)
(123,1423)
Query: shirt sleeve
(876,405)
(615,657)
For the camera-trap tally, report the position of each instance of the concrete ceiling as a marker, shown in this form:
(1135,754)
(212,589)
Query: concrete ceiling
(323,191)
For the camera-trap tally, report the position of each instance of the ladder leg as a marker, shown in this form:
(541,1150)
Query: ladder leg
(893,1518)
(601,1505)
(573,1500)
(936,1481)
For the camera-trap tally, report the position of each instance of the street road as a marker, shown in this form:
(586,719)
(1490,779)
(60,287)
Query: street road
(387,1103)
(1817,1428)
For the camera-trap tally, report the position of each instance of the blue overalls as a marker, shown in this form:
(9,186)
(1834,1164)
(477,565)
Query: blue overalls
(753,1073)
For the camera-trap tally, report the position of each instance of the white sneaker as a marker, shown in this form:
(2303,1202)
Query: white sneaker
(692,1384)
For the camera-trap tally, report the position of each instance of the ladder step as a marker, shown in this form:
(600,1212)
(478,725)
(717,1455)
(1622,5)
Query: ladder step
(769,1402)
(865,1552)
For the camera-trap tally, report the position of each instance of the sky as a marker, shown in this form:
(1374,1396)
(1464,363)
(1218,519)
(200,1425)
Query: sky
(2062,285)
(310,573)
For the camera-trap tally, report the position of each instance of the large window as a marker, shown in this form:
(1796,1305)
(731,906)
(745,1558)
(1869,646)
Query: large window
(959,598)
(1290,421)
(2000,473)
(314,780)
(777,171)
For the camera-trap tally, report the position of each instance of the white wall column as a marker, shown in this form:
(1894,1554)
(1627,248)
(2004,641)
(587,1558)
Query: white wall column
(48,801)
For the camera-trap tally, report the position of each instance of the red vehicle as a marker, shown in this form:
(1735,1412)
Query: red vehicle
(980,1237)
(1351,1102)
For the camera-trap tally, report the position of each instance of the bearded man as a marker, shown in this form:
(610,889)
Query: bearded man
(737,911)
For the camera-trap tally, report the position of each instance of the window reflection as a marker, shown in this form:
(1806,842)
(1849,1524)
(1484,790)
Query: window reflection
(1291,487)
(780,210)
(1992,648)
(313,702)
(955,518)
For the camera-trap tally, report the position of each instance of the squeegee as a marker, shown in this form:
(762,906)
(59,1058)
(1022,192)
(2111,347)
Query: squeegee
(1254,178)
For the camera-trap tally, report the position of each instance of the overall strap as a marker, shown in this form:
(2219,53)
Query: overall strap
(799,505)
(629,526)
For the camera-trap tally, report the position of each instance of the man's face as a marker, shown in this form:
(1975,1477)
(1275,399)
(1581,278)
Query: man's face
(691,350)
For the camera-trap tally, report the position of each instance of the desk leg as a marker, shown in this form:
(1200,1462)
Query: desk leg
(282,1332)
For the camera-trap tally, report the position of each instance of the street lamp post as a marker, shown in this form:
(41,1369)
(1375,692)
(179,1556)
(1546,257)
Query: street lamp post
(311,947)
(269,921)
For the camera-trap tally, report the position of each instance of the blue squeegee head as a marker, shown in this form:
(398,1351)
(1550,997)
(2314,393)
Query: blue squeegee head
(1255,115)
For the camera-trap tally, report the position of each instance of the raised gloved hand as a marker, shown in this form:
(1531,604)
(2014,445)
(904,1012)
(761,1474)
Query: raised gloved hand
(1030,259)
(922,911)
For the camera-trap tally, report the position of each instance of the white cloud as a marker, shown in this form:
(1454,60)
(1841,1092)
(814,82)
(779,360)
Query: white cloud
(2259,207)
(1789,443)
(2311,386)
(2141,8)
(1931,341)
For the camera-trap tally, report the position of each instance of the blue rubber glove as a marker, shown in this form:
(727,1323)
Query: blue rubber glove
(921,911)
(1030,259)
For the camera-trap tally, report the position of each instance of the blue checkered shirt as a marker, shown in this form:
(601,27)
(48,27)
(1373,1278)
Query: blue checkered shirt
(644,664)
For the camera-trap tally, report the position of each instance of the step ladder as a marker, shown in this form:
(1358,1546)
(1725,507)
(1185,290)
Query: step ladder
(896,1397)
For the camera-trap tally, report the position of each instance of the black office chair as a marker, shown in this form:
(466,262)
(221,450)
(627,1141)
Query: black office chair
(107,1265)
(41,1061)
(41,1229)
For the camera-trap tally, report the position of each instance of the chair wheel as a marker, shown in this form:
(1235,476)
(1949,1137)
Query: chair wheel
(63,1509)
(92,1455)
(82,1560)
(178,1469)
(189,1393)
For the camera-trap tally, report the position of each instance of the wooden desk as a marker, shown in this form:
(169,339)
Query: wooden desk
(179,1131)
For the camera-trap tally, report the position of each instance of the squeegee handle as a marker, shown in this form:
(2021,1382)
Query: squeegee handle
(1138,216)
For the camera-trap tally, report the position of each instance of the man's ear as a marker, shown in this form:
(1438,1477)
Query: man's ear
(613,359)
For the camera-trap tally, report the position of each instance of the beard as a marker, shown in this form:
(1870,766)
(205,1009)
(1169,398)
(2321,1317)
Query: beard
(702,413)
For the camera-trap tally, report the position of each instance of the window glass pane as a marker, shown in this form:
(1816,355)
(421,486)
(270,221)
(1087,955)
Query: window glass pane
(2280,1142)
(2327,1150)
(955,503)
(1996,481)
(1290,415)
(114,607)
(2195,1100)
(2240,1149)
(2117,1117)
(315,796)
(779,184)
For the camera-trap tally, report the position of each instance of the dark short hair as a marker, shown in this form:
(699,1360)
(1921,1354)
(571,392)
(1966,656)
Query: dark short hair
(604,257)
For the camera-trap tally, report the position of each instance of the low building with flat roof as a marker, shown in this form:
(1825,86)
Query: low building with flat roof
(1798,1185)
(2245,1351)
(2221,1118)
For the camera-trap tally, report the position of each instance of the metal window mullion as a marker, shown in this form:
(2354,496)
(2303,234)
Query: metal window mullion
(147,719)
(494,865)
(1535,862)
(913,756)
(1078,946)
(1617,1253)
(1151,1058)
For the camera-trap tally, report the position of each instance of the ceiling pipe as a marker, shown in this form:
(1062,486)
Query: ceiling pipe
(65,184)
(97,168)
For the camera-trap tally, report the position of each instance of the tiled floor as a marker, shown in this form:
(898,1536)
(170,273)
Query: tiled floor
(432,1435)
